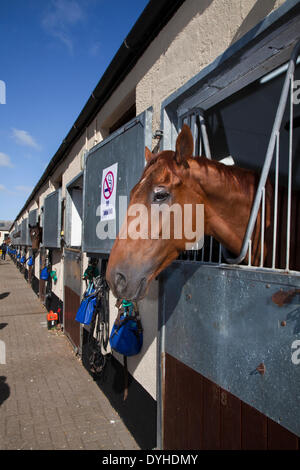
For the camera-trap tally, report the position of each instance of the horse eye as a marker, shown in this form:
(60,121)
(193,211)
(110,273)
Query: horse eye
(160,195)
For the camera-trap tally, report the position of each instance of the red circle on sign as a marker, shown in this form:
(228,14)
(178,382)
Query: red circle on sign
(108,185)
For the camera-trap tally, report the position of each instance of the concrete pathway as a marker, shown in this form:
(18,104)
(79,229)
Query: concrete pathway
(47,398)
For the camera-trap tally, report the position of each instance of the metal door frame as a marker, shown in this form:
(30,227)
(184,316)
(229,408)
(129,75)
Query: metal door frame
(80,252)
(25,232)
(68,208)
(57,246)
(33,217)
(145,119)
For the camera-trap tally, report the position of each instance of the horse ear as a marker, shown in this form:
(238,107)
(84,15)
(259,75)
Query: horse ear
(148,155)
(184,145)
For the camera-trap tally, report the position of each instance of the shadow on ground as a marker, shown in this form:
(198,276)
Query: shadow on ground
(3,295)
(4,390)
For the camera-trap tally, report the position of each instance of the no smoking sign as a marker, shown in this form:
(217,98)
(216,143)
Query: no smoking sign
(108,185)
(108,192)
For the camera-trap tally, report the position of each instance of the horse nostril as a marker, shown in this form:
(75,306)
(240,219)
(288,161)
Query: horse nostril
(120,281)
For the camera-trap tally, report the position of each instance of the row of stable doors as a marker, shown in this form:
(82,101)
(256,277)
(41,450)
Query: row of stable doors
(72,292)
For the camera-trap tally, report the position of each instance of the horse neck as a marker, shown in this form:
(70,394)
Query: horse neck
(227,194)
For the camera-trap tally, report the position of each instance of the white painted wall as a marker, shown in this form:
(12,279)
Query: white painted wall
(2,235)
(76,216)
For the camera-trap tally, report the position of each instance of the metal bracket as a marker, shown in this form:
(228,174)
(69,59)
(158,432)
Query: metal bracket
(267,163)
(158,134)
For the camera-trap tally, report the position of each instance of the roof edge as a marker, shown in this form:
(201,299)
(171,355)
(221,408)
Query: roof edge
(149,24)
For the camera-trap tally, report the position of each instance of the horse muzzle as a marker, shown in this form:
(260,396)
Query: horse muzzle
(126,284)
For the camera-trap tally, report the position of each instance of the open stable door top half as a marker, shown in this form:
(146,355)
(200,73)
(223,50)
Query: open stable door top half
(52,220)
(112,168)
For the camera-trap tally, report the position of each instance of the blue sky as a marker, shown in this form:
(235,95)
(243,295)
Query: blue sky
(52,55)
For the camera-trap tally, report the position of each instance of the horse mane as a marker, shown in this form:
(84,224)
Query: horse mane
(230,177)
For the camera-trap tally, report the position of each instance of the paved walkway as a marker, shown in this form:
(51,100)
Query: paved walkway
(47,398)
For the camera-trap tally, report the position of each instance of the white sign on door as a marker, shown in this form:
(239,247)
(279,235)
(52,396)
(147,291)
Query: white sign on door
(108,192)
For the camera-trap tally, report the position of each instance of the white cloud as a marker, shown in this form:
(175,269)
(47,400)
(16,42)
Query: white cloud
(24,189)
(5,160)
(95,49)
(60,18)
(24,138)
(2,187)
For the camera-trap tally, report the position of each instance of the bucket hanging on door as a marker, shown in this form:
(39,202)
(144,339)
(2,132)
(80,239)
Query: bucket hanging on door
(86,309)
(44,274)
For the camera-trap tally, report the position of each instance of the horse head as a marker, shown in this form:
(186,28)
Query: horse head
(36,236)
(149,242)
(17,234)
(173,186)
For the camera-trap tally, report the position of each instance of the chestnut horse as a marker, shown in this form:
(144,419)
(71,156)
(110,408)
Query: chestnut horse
(177,177)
